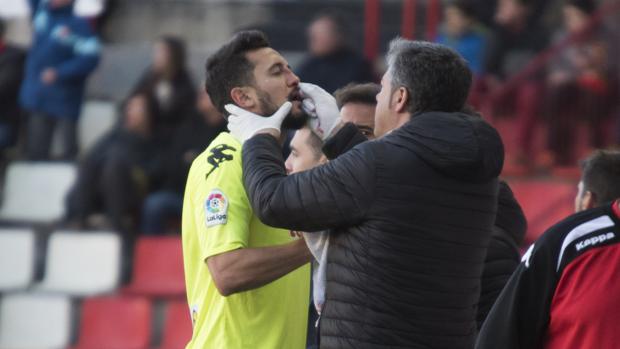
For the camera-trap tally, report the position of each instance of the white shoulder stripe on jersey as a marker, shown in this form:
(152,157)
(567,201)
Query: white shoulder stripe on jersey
(582,230)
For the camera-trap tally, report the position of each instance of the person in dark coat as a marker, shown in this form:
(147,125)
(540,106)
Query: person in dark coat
(188,141)
(11,70)
(332,64)
(411,213)
(503,254)
(114,175)
(169,82)
(64,52)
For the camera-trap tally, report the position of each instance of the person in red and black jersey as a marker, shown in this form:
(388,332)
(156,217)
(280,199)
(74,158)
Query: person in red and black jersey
(564,294)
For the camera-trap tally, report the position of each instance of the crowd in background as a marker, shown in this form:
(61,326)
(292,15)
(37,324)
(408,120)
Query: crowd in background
(135,174)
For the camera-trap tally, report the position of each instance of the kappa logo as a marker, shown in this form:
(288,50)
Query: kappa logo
(216,208)
(595,240)
(219,156)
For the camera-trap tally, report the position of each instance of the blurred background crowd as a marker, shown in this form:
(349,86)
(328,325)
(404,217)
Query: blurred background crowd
(103,108)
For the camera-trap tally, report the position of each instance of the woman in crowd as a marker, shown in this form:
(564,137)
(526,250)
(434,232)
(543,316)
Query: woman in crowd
(169,82)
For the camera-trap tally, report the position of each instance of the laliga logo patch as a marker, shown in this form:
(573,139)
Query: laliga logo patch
(216,208)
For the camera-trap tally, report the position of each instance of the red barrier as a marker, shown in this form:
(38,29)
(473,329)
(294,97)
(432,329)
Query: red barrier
(372,24)
(407,29)
(433,8)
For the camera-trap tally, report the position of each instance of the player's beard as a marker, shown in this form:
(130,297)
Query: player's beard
(295,120)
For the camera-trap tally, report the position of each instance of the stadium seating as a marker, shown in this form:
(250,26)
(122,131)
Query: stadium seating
(82,263)
(34,192)
(158,268)
(97,118)
(17,258)
(34,321)
(177,326)
(115,323)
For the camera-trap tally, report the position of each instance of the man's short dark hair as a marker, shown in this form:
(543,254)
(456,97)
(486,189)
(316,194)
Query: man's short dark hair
(465,7)
(357,93)
(436,77)
(586,6)
(316,143)
(338,20)
(601,175)
(229,67)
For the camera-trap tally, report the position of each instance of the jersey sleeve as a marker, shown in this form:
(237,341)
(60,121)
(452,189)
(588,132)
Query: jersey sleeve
(520,315)
(221,210)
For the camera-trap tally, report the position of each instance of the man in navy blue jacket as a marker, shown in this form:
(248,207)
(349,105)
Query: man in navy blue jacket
(64,52)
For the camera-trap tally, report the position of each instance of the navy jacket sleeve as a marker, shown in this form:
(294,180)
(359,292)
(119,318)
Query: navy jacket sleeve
(86,51)
(520,315)
(339,193)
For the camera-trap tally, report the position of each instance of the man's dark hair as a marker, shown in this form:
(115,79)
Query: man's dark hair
(338,20)
(465,7)
(587,6)
(229,67)
(435,76)
(357,93)
(601,175)
(316,144)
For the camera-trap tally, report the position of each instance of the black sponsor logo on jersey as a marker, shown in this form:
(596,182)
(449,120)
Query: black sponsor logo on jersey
(218,156)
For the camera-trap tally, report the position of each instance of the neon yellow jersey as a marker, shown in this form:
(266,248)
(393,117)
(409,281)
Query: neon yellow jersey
(217,217)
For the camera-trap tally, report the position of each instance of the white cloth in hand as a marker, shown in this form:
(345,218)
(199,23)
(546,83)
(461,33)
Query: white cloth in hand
(243,124)
(318,244)
(322,109)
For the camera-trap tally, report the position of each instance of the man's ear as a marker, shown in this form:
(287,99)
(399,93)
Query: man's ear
(588,201)
(243,97)
(401,99)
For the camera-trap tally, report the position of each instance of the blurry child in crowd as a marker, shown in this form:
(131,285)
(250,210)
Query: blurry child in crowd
(464,34)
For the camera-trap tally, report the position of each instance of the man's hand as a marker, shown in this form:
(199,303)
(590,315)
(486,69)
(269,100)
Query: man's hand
(48,76)
(322,109)
(244,124)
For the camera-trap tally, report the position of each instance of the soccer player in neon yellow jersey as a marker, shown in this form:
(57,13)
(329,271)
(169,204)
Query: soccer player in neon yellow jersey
(247,283)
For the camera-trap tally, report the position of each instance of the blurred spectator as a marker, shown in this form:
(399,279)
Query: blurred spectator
(464,34)
(168,80)
(515,41)
(580,83)
(113,176)
(332,63)
(11,72)
(189,140)
(484,10)
(65,51)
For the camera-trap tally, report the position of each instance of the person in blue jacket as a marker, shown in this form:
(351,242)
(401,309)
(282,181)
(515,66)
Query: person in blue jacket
(64,52)
(463,33)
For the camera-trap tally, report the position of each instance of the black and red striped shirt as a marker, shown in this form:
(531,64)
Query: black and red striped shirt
(566,291)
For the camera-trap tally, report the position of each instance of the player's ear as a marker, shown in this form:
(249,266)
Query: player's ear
(401,97)
(588,201)
(244,97)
